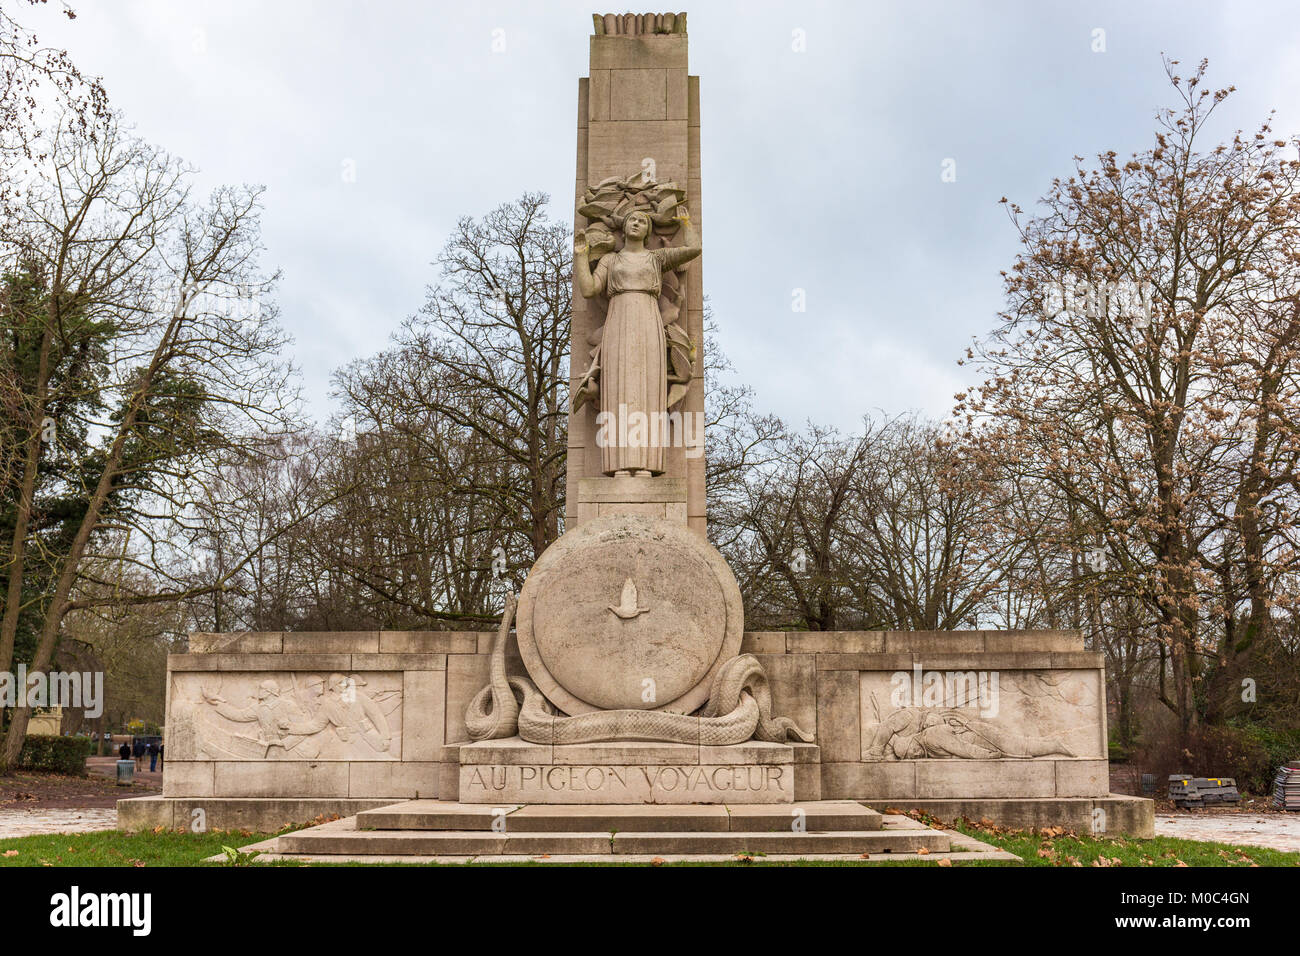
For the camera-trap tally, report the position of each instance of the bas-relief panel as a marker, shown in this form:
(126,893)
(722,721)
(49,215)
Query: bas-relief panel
(285,716)
(980,715)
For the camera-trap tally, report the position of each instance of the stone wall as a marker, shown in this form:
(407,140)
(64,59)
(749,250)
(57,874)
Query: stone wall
(947,715)
(380,714)
(361,714)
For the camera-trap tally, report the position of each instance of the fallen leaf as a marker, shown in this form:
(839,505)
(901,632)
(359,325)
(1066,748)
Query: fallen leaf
(922,850)
(945,862)
(11,852)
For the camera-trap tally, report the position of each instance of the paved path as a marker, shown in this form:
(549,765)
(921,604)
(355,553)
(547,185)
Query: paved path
(1275,831)
(107,767)
(18,823)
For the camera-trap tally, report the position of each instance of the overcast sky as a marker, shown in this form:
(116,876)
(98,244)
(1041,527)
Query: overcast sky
(821,169)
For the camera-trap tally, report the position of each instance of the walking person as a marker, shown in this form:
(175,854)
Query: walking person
(124,752)
(153,756)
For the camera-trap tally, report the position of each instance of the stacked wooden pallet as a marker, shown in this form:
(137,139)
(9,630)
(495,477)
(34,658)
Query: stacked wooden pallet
(1286,788)
(1194,792)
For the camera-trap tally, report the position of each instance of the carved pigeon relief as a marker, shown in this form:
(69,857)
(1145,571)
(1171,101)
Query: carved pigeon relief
(628,607)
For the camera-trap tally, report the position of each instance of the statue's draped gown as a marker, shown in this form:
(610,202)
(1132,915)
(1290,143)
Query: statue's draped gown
(634,370)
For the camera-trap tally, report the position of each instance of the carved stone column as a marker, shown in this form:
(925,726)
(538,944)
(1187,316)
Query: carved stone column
(639,110)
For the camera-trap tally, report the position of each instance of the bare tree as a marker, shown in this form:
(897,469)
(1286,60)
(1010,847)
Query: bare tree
(135,273)
(499,325)
(1111,384)
(35,80)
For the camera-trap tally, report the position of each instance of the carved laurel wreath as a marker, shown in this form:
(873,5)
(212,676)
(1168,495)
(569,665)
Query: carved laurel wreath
(607,206)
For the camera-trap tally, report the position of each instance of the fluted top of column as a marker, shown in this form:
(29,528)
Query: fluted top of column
(638,24)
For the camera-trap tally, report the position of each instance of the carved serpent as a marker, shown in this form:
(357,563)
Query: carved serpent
(501,719)
(739,709)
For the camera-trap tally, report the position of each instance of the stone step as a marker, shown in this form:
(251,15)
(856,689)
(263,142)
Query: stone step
(432,815)
(843,841)
(341,837)
(817,816)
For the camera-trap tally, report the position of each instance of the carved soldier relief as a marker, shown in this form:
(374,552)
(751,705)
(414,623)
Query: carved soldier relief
(286,716)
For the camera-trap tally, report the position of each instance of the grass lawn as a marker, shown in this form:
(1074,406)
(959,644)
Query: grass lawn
(1056,847)
(1052,847)
(111,848)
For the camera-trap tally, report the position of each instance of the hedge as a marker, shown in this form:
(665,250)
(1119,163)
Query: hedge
(55,754)
(1268,748)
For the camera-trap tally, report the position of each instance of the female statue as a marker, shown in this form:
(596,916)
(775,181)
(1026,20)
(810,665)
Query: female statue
(633,349)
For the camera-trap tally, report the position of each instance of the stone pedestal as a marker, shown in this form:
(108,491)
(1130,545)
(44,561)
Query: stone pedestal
(653,497)
(512,771)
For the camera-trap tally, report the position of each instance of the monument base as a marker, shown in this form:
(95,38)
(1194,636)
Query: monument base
(831,683)
(513,771)
(435,831)
(1116,814)
(256,814)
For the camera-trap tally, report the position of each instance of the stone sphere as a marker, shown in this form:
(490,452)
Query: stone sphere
(628,612)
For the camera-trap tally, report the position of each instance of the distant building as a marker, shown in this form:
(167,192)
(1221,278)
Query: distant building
(46,723)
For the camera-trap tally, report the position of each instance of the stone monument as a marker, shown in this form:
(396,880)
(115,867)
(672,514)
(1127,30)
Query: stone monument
(630,625)
(622,679)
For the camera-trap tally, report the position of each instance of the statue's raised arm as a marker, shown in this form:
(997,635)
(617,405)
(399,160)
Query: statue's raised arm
(582,269)
(677,256)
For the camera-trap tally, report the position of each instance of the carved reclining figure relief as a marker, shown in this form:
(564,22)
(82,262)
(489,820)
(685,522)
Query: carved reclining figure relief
(914,733)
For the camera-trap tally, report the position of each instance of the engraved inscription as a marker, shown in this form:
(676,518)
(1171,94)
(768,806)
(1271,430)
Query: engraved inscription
(627,784)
